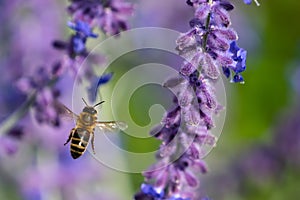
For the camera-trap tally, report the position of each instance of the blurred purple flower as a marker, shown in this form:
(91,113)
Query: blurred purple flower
(287,138)
(82,28)
(148,192)
(9,142)
(59,176)
(109,15)
(8,145)
(250,1)
(95,83)
(40,85)
(247,2)
(76,45)
(265,163)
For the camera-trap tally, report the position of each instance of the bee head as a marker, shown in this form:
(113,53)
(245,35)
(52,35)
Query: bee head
(90,110)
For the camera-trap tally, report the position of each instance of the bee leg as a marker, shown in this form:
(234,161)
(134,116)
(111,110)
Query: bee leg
(93,146)
(70,136)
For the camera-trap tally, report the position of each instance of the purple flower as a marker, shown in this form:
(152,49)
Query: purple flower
(247,2)
(95,83)
(77,53)
(211,44)
(287,137)
(8,146)
(208,48)
(239,56)
(9,142)
(149,192)
(109,15)
(250,1)
(82,28)
(40,84)
(77,42)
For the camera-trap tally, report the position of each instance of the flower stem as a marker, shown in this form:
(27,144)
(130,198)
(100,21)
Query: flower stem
(17,115)
(205,37)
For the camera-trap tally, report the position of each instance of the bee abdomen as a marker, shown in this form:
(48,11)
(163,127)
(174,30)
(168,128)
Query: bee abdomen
(79,142)
(76,151)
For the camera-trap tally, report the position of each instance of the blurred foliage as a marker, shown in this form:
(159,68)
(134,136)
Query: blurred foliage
(257,103)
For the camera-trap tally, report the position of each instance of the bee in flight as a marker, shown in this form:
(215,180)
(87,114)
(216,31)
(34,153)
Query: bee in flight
(86,122)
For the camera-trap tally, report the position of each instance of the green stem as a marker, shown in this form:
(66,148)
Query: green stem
(17,115)
(205,36)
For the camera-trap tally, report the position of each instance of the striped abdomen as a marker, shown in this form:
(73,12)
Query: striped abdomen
(79,142)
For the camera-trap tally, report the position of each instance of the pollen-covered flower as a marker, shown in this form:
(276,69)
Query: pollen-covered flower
(109,15)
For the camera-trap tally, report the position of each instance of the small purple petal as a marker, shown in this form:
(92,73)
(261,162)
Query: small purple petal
(238,78)
(82,28)
(202,12)
(226,71)
(239,56)
(226,5)
(209,67)
(221,16)
(78,44)
(154,192)
(229,34)
(247,2)
(8,145)
(24,85)
(96,82)
(186,39)
(191,179)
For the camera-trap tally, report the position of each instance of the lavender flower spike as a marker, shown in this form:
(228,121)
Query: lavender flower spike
(209,47)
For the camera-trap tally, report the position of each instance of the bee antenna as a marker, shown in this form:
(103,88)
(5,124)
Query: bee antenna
(98,104)
(84,102)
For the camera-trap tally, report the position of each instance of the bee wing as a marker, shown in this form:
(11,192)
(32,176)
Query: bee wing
(64,111)
(111,126)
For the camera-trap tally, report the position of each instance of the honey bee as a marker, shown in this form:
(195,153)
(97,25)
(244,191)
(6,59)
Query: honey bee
(86,122)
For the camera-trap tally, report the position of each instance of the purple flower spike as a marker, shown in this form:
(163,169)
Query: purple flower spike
(208,48)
